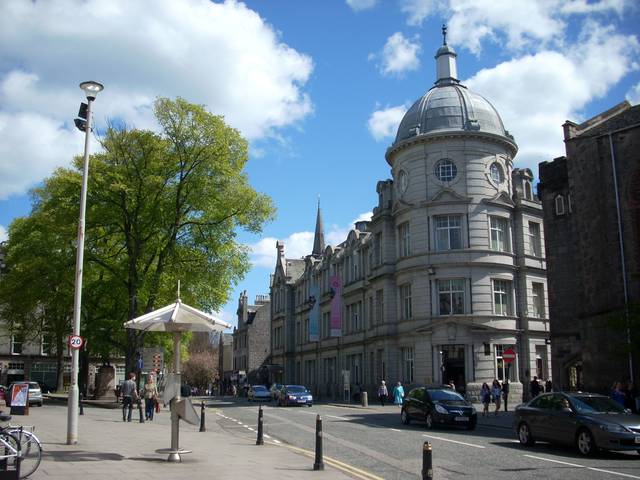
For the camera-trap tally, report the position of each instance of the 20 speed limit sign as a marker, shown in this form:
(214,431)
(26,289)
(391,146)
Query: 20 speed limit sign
(75,341)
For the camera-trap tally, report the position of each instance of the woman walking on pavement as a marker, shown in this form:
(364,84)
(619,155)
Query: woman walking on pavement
(383,393)
(150,397)
(398,394)
(496,392)
(485,398)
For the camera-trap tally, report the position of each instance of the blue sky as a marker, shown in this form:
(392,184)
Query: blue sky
(317,87)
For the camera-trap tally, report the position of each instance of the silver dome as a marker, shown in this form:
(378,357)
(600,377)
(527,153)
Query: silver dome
(451,107)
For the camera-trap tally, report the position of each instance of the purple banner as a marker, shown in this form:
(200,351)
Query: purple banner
(336,306)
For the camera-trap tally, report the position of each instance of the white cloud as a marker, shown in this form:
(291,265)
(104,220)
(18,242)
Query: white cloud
(384,123)
(225,316)
(418,10)
(298,244)
(536,93)
(633,95)
(3,234)
(523,23)
(399,55)
(222,55)
(358,5)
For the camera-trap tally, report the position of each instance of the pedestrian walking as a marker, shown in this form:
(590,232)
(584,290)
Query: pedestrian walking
(535,387)
(383,393)
(150,398)
(496,392)
(617,394)
(485,398)
(398,394)
(630,394)
(548,386)
(505,393)
(129,395)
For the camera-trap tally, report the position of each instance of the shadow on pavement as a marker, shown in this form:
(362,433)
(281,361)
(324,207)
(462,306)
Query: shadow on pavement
(565,452)
(82,456)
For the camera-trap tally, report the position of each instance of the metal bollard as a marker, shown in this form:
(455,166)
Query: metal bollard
(319,463)
(80,403)
(140,410)
(427,462)
(364,399)
(259,440)
(202,427)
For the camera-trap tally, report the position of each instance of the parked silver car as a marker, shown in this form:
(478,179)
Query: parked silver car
(588,421)
(258,393)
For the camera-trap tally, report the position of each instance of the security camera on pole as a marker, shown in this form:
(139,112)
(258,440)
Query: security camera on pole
(91,89)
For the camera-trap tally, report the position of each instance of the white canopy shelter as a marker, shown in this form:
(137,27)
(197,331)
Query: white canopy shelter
(177,318)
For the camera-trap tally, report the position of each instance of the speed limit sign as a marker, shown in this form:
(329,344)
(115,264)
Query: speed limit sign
(75,341)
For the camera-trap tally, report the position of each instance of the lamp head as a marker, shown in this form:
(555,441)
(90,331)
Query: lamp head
(91,89)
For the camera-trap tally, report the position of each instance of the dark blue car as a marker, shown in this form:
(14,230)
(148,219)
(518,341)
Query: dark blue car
(295,395)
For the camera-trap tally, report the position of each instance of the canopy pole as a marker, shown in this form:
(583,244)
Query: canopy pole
(174,456)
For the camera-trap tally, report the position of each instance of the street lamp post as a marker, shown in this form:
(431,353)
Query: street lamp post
(91,89)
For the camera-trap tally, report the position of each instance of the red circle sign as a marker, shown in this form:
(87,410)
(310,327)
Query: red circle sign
(75,341)
(509,355)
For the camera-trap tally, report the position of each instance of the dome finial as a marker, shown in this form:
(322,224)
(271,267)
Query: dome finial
(447,71)
(444,33)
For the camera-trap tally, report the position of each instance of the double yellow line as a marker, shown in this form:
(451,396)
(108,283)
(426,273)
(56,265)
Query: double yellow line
(350,469)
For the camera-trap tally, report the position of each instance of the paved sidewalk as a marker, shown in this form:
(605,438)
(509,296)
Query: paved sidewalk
(109,449)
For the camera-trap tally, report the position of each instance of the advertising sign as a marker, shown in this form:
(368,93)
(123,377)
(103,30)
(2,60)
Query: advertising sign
(335,284)
(19,394)
(314,313)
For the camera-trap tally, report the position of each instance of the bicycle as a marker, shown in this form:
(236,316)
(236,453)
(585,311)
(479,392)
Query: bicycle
(20,445)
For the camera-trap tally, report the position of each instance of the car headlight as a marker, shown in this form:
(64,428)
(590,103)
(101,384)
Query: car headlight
(291,397)
(613,428)
(441,409)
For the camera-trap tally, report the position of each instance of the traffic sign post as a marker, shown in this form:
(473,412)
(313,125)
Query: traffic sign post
(75,342)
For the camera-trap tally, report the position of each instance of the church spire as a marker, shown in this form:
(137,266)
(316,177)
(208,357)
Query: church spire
(318,240)
(447,70)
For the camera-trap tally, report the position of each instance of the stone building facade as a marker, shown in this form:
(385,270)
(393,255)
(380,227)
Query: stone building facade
(591,200)
(449,272)
(252,336)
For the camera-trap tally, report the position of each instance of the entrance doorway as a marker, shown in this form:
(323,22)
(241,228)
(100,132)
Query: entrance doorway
(452,362)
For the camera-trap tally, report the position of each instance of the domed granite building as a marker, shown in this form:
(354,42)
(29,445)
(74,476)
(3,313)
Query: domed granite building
(448,274)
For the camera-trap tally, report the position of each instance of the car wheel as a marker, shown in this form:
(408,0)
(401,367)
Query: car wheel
(524,435)
(309,405)
(585,443)
(471,426)
(404,417)
(40,404)
(428,420)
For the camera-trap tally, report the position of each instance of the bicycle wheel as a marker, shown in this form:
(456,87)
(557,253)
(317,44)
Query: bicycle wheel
(30,451)
(8,451)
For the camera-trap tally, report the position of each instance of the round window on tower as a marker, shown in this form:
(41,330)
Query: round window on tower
(403,181)
(497,174)
(446,170)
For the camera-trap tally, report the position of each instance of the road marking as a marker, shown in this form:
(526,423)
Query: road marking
(454,441)
(266,436)
(277,441)
(395,430)
(583,466)
(350,469)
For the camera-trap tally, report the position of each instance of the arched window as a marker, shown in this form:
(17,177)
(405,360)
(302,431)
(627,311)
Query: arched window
(559,201)
(527,190)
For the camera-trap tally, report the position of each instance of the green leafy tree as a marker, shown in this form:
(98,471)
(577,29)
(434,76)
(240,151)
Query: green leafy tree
(161,207)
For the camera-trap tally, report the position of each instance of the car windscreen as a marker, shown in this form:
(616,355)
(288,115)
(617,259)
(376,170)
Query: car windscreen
(596,405)
(259,388)
(296,389)
(440,395)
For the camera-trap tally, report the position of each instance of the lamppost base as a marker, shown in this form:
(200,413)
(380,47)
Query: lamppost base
(174,455)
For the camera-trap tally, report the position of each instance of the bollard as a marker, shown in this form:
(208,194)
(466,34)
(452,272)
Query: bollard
(80,403)
(319,463)
(427,465)
(202,427)
(140,410)
(259,440)
(364,399)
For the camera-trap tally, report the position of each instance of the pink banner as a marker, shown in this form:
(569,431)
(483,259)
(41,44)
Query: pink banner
(336,306)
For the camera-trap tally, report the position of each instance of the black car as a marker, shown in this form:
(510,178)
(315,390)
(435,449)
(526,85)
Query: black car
(295,395)
(438,406)
(587,420)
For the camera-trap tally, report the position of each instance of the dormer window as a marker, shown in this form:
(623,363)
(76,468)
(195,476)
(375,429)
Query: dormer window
(559,204)
(527,190)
